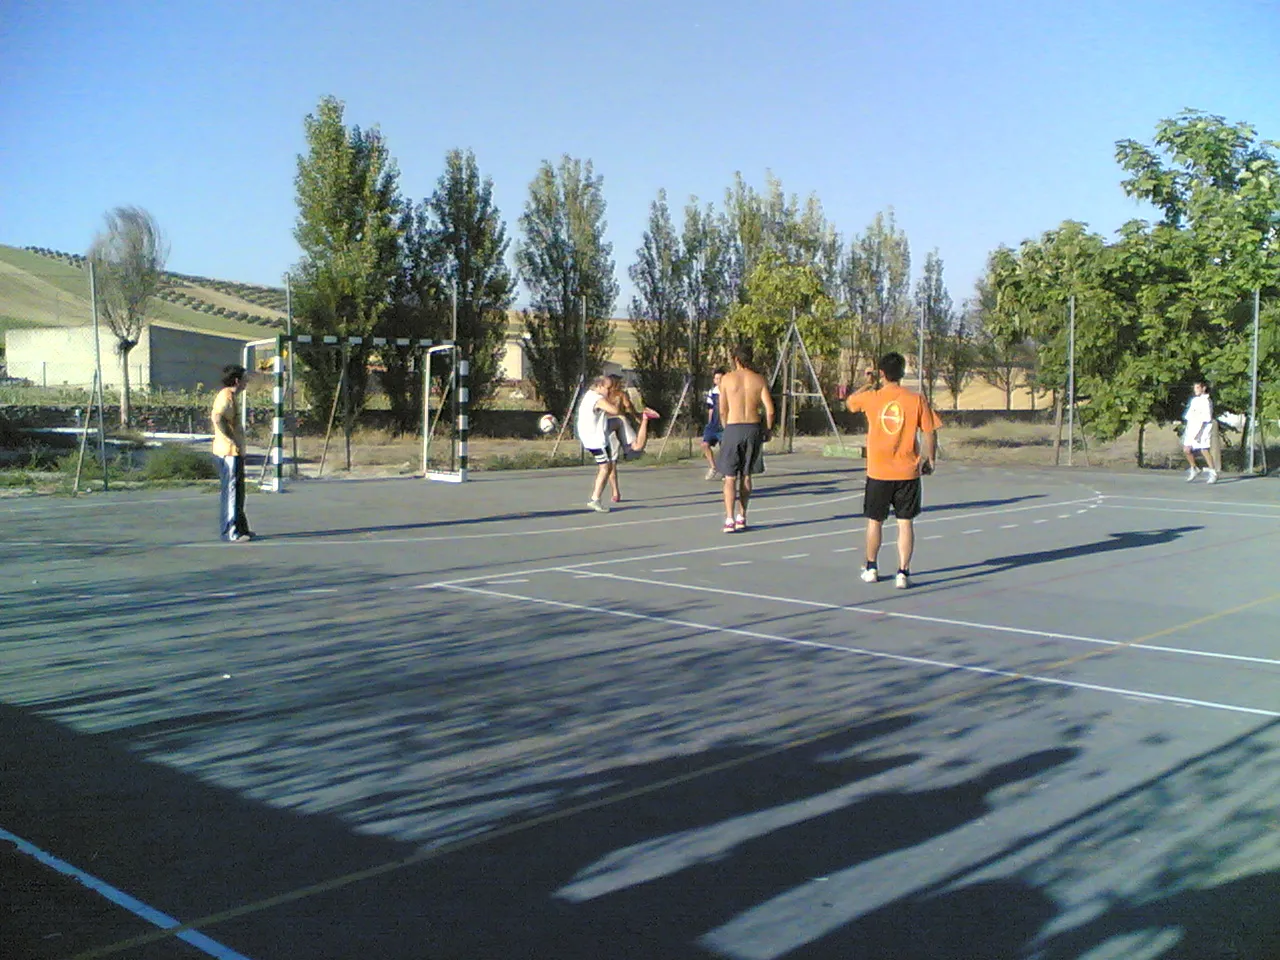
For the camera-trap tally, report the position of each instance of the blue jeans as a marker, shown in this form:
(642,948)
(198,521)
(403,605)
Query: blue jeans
(231,519)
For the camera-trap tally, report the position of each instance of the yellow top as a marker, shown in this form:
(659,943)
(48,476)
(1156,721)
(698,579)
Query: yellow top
(228,438)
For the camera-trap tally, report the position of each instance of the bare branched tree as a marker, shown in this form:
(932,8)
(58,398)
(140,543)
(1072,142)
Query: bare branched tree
(128,259)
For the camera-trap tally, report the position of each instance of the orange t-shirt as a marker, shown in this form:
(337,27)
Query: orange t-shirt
(894,414)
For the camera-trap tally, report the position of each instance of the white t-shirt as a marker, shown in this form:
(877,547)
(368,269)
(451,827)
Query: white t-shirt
(1199,417)
(591,422)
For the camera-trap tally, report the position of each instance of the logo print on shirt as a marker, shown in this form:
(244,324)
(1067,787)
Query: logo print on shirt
(891,418)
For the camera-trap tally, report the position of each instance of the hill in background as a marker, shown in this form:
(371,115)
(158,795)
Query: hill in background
(48,288)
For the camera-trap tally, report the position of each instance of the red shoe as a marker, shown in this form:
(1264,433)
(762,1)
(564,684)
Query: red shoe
(651,414)
(616,498)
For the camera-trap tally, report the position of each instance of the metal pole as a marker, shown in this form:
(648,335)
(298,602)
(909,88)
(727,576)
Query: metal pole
(1253,382)
(463,400)
(293,347)
(920,349)
(1071,377)
(583,331)
(277,421)
(97,362)
(454,311)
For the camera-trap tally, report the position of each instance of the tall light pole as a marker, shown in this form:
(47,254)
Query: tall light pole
(1071,377)
(1253,381)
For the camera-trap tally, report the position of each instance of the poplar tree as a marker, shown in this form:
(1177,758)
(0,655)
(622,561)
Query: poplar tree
(660,316)
(568,268)
(349,224)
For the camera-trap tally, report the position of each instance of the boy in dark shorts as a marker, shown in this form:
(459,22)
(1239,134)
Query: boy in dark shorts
(743,394)
(894,461)
(711,433)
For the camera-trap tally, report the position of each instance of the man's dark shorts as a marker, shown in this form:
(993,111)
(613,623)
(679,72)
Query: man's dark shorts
(741,450)
(902,495)
(711,435)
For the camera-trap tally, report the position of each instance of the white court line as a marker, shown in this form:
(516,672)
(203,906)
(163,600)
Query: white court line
(1233,503)
(284,540)
(941,621)
(1008,526)
(968,532)
(751,544)
(668,569)
(148,913)
(858,651)
(515,580)
(310,590)
(727,563)
(795,556)
(1206,510)
(851,549)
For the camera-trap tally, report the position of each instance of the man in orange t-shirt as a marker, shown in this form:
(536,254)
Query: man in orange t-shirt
(894,461)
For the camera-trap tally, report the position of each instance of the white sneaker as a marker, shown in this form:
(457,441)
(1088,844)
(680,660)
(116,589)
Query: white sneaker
(597,506)
(901,581)
(1213,476)
(1192,473)
(711,474)
(869,574)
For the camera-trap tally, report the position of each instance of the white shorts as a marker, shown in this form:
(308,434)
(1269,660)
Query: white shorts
(1189,437)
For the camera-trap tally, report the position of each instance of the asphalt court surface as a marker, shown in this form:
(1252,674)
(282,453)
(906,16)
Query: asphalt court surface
(428,720)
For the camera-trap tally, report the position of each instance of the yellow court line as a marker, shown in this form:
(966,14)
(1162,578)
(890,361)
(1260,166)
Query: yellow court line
(566,813)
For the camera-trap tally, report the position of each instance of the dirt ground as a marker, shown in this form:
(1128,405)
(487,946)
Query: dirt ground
(376,453)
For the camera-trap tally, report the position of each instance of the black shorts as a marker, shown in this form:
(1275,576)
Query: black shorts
(902,495)
(741,450)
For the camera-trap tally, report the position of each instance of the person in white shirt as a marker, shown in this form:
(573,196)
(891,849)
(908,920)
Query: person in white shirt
(1197,435)
(597,405)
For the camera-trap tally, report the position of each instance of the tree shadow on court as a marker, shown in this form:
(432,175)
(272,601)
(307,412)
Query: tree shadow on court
(619,791)
(981,504)
(1128,540)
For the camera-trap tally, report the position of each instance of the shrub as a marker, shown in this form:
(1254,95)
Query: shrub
(174,462)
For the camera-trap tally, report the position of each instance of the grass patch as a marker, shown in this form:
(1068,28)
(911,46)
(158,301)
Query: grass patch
(529,460)
(174,462)
(1007,433)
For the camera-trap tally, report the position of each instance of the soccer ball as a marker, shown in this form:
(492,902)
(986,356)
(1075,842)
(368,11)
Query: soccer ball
(548,424)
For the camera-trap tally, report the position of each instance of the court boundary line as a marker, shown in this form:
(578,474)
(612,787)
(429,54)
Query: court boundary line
(949,622)
(143,911)
(743,543)
(1201,512)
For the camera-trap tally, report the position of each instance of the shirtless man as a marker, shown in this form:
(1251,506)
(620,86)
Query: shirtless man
(742,393)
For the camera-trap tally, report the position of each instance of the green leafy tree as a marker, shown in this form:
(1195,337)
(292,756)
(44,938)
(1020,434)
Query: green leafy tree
(874,282)
(350,219)
(659,313)
(707,257)
(1217,186)
(933,303)
(569,270)
(777,291)
(957,358)
(419,309)
(128,259)
(454,240)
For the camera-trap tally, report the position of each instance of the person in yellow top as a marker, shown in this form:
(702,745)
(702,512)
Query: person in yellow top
(228,450)
(894,460)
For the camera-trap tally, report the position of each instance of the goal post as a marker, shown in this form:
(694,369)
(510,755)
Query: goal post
(455,396)
(451,465)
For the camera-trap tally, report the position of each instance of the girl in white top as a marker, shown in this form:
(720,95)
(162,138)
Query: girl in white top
(601,402)
(1197,435)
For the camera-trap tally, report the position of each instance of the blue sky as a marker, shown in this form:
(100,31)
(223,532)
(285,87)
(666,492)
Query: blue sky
(979,123)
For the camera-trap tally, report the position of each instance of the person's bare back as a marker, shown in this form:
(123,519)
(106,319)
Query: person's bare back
(743,393)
